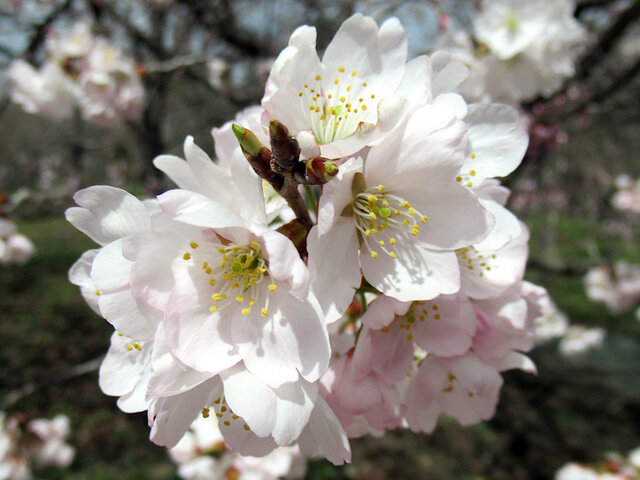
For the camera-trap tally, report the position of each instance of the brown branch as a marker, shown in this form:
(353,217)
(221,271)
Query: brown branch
(608,40)
(40,31)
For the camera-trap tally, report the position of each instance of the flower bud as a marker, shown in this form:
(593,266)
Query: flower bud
(284,147)
(320,170)
(258,156)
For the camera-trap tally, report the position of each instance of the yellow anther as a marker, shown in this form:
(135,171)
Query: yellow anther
(392,241)
(194,245)
(205,413)
(372,199)
(251,302)
(341,68)
(393,255)
(458,179)
(239,298)
(424,219)
(374,254)
(208,270)
(187,256)
(364,84)
(372,216)
(318,77)
(226,423)
(397,212)
(469,184)
(97,292)
(354,73)
(218,296)
(300,94)
(409,337)
(119,334)
(380,188)
(472,173)
(342,99)
(406,221)
(272,287)
(437,316)
(336,81)
(246,427)
(367,233)
(405,204)
(411,211)
(384,329)
(312,108)
(373,95)
(473,155)
(381,243)
(364,107)
(212,281)
(221,249)
(129,347)
(264,312)
(349,88)
(213,309)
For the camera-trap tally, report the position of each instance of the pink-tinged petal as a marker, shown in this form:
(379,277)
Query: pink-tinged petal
(421,416)
(394,355)
(291,339)
(174,415)
(497,140)
(83,220)
(110,270)
(122,367)
(416,273)
(123,311)
(199,338)
(281,413)
(487,274)
(285,263)
(119,213)
(337,195)
(335,267)
(431,378)
(443,326)
(456,217)
(454,100)
(447,73)
(177,170)
(172,377)
(136,400)
(297,65)
(324,436)
(382,311)
(517,360)
(79,274)
(195,209)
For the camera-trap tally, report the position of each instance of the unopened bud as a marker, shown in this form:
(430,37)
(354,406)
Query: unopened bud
(258,156)
(284,147)
(320,170)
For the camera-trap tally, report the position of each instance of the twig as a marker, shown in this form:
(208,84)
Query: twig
(32,387)
(40,31)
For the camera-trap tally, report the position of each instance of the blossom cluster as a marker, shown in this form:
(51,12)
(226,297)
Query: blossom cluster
(616,285)
(627,196)
(202,454)
(40,442)
(519,49)
(81,71)
(358,274)
(615,467)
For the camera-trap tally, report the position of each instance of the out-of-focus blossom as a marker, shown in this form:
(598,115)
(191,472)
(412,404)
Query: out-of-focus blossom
(203,455)
(15,248)
(38,443)
(578,339)
(81,71)
(614,467)
(617,286)
(551,323)
(627,196)
(522,49)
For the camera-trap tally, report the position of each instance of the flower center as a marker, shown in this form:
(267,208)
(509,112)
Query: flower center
(474,261)
(384,218)
(236,274)
(336,106)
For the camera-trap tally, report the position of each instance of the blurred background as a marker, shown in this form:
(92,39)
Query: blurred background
(92,90)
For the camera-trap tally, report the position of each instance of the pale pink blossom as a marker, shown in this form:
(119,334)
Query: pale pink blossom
(617,285)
